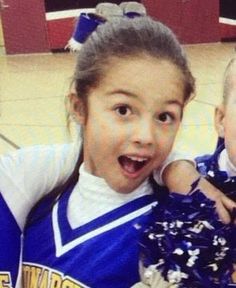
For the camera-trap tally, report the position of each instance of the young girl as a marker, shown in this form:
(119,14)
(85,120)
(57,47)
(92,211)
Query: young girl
(220,167)
(132,83)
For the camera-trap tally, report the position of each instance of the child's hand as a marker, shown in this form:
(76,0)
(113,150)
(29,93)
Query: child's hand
(178,177)
(224,205)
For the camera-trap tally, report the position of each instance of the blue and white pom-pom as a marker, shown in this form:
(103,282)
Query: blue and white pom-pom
(188,243)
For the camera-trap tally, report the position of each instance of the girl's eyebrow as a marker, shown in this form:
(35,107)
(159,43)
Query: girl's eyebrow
(175,102)
(133,95)
(124,92)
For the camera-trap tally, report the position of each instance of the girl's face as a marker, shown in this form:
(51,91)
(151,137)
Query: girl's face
(133,117)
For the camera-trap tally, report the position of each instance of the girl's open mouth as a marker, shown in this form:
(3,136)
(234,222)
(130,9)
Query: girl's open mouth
(132,164)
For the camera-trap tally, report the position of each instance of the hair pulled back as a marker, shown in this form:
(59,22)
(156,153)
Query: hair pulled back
(128,38)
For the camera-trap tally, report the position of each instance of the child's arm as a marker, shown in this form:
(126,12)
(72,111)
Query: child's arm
(178,177)
(31,172)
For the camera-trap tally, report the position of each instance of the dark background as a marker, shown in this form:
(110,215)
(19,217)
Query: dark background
(59,5)
(228,9)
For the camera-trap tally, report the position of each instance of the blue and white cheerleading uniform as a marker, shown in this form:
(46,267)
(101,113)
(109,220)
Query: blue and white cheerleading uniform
(98,250)
(10,246)
(219,170)
(25,176)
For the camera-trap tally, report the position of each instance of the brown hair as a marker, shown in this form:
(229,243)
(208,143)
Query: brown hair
(128,38)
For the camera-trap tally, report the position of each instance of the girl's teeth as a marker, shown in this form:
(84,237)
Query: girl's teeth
(139,159)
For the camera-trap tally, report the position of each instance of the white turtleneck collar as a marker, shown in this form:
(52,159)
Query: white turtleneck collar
(225,164)
(92,197)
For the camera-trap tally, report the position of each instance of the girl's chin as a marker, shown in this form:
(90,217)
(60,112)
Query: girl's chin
(125,188)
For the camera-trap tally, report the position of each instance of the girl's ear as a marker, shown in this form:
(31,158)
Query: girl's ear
(77,108)
(219,120)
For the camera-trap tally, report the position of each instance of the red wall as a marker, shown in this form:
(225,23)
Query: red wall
(26,31)
(166,11)
(193,21)
(200,21)
(227,32)
(59,32)
(24,27)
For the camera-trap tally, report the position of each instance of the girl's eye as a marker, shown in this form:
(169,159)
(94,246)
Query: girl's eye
(165,117)
(123,110)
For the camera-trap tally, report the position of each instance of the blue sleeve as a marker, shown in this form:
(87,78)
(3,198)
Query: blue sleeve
(10,246)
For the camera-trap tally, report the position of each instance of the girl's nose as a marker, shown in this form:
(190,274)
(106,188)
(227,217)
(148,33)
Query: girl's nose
(143,133)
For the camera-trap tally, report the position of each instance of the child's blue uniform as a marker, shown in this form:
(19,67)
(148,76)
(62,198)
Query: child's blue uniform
(25,176)
(208,166)
(103,253)
(10,236)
